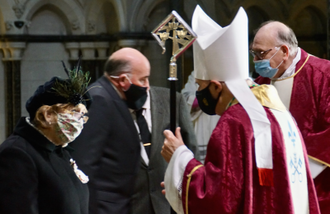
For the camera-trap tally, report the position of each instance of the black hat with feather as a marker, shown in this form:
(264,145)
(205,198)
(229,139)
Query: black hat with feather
(57,90)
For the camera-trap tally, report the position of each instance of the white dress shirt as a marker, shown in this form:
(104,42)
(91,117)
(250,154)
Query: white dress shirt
(147,115)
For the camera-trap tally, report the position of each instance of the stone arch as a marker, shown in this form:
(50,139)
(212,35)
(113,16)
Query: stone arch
(71,15)
(256,16)
(309,21)
(99,14)
(310,27)
(206,5)
(318,6)
(45,58)
(144,13)
(6,10)
(274,10)
(226,13)
(54,16)
(7,17)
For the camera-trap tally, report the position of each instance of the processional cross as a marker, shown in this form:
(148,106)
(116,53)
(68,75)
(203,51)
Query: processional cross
(182,36)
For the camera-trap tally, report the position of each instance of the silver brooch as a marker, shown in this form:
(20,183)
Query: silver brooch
(82,177)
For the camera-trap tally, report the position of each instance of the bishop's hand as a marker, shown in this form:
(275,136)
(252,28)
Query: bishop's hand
(162,184)
(171,143)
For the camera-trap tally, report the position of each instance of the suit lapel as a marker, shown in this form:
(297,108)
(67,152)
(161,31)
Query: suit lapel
(120,104)
(158,114)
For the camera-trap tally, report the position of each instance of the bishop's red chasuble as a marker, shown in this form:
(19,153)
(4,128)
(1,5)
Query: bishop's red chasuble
(229,181)
(310,106)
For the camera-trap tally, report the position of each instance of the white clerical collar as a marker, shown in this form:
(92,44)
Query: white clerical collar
(292,68)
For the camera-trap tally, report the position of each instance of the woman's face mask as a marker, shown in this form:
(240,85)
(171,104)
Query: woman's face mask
(206,102)
(69,126)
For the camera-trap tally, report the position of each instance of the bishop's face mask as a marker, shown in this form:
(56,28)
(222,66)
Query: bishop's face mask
(205,100)
(264,69)
(136,96)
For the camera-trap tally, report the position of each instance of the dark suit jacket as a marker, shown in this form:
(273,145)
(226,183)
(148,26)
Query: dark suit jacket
(147,192)
(108,151)
(36,176)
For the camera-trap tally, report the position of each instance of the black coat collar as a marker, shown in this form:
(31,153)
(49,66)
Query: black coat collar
(34,137)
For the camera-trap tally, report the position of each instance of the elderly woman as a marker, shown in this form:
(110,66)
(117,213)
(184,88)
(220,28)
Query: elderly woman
(37,173)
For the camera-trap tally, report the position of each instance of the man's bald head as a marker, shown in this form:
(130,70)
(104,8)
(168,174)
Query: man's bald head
(124,61)
(127,54)
(278,34)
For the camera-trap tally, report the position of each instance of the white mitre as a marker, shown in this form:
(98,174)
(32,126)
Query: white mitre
(223,54)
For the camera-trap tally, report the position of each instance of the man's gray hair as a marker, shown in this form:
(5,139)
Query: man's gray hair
(285,36)
(115,67)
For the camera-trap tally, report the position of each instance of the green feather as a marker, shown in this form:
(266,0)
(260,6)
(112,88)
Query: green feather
(75,87)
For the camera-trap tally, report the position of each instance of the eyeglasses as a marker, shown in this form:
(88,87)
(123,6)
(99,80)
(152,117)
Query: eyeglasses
(79,115)
(260,54)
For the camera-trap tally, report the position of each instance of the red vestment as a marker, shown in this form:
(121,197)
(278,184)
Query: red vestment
(229,182)
(310,106)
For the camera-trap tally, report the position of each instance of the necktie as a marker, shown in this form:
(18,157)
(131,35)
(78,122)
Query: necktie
(144,131)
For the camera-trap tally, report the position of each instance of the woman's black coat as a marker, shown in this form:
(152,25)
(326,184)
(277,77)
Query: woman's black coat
(36,176)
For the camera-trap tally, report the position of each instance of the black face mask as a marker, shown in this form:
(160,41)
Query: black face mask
(206,102)
(136,96)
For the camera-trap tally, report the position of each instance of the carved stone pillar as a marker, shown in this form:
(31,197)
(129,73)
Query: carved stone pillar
(102,56)
(12,69)
(74,50)
(88,59)
(93,56)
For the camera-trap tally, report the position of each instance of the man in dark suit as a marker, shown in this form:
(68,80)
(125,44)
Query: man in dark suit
(123,163)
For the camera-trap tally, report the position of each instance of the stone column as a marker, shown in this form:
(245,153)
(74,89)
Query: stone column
(74,50)
(93,56)
(102,56)
(12,69)
(88,59)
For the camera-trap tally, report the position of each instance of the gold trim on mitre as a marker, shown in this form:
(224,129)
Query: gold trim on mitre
(267,95)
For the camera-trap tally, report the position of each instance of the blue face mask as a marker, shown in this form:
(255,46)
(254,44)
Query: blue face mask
(264,69)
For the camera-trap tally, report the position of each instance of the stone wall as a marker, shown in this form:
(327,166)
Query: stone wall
(36,35)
